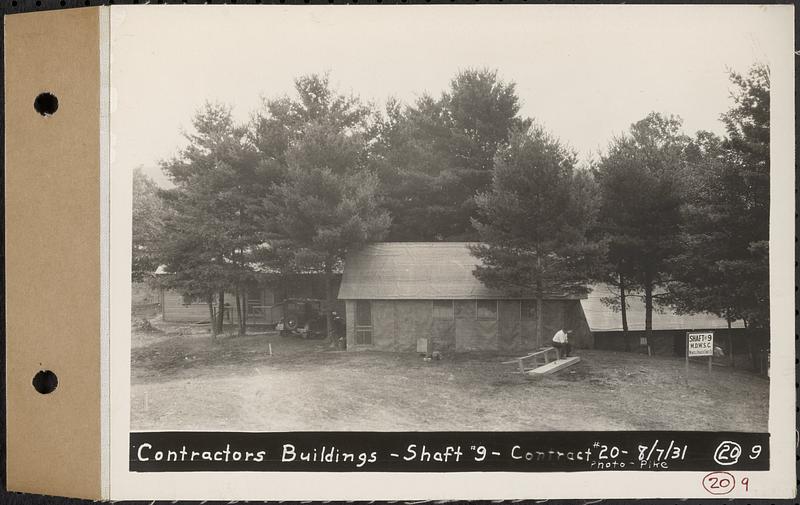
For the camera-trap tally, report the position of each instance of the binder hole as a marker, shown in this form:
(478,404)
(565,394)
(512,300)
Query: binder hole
(45,382)
(46,104)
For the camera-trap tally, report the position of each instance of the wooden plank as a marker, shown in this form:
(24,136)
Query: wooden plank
(555,366)
(531,355)
(515,360)
(544,350)
(519,362)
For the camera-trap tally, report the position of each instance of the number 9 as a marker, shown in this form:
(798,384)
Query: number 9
(755,452)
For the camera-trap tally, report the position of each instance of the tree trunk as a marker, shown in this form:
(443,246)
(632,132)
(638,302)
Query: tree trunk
(539,319)
(730,349)
(329,303)
(539,296)
(755,359)
(730,344)
(244,311)
(221,312)
(624,311)
(213,318)
(239,318)
(539,322)
(648,315)
(753,355)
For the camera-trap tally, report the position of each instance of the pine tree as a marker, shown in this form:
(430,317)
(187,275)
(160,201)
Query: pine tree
(148,222)
(213,229)
(328,202)
(434,156)
(725,266)
(746,183)
(532,221)
(640,179)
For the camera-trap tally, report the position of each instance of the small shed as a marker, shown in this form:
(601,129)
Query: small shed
(397,293)
(669,327)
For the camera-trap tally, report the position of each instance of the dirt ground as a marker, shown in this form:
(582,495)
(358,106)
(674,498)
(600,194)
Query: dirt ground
(182,380)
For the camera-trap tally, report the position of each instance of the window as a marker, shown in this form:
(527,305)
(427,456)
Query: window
(254,303)
(443,309)
(487,309)
(363,322)
(529,310)
(465,309)
(259,302)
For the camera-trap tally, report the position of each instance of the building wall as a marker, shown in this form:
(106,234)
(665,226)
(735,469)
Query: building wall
(671,342)
(143,293)
(302,286)
(176,309)
(349,319)
(397,324)
(575,319)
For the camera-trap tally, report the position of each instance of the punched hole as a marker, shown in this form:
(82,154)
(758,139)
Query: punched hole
(46,104)
(45,382)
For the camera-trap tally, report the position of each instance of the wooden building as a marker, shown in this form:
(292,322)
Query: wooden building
(262,300)
(397,293)
(669,328)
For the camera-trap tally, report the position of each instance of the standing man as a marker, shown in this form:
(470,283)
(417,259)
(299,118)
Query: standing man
(561,342)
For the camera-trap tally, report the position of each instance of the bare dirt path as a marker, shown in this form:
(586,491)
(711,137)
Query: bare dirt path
(184,381)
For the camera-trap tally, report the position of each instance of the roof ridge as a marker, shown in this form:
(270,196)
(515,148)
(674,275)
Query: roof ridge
(421,243)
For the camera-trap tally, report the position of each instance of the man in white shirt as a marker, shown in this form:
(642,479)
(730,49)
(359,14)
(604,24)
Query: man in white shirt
(561,342)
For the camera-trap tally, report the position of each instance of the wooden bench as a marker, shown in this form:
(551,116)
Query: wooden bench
(554,366)
(543,352)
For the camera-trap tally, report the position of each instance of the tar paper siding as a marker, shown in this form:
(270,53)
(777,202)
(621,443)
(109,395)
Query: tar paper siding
(673,342)
(397,324)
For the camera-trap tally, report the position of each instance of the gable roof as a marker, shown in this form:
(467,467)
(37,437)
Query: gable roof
(416,271)
(602,318)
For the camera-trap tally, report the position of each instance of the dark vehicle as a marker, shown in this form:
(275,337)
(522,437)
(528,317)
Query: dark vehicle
(302,317)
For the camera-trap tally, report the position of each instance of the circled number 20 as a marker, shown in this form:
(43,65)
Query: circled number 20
(728,453)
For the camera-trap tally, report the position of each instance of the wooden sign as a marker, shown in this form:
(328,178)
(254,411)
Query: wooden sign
(700,344)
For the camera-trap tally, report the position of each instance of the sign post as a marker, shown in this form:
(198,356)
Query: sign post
(699,343)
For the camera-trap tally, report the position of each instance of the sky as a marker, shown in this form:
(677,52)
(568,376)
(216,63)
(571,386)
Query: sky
(585,72)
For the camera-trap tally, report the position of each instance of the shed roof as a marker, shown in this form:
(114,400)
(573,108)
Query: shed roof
(602,318)
(416,271)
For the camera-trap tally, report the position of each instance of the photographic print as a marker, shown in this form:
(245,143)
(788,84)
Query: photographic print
(380,239)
